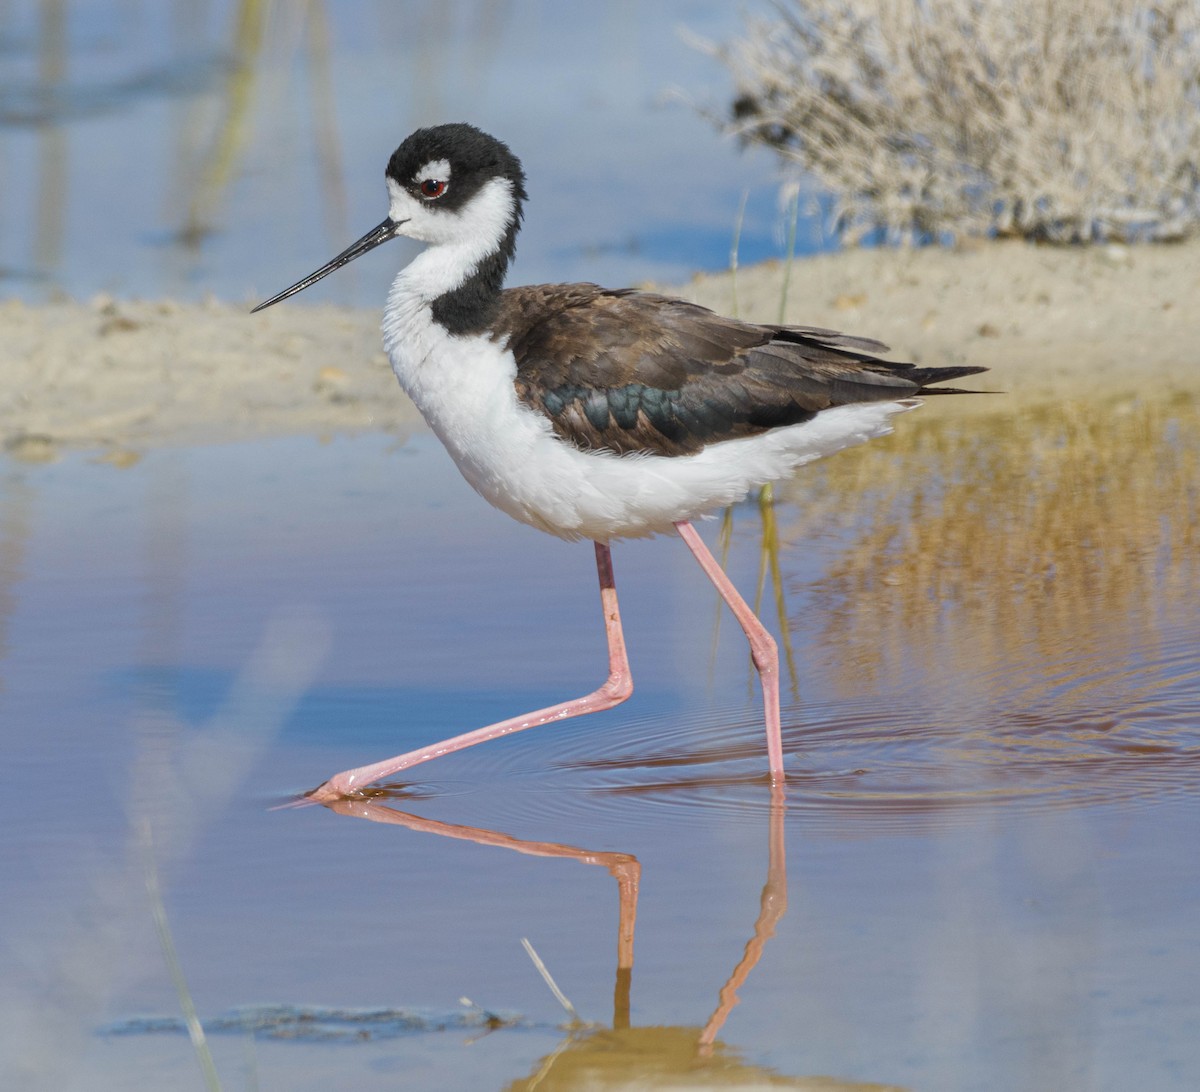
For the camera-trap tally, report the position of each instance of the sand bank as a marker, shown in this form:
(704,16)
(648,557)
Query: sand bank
(120,376)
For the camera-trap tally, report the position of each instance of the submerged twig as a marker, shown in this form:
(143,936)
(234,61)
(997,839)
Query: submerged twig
(549,980)
(194,1028)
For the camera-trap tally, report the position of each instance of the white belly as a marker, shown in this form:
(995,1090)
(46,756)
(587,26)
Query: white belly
(463,386)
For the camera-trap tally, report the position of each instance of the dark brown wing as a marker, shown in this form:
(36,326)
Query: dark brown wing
(627,371)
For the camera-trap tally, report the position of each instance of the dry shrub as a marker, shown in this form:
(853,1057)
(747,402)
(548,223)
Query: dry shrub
(1062,120)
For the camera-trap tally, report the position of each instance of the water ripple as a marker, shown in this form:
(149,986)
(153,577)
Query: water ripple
(1080,732)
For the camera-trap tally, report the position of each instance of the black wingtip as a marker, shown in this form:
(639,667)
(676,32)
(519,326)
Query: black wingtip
(954,390)
(928,376)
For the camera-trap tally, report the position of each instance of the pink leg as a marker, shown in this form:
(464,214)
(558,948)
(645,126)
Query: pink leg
(762,645)
(615,690)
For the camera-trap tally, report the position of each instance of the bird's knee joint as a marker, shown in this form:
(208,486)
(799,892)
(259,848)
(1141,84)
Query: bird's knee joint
(765,654)
(617,688)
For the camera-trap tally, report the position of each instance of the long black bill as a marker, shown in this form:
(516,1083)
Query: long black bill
(380,234)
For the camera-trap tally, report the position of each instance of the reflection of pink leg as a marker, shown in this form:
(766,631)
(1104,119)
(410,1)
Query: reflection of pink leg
(615,690)
(773,907)
(628,875)
(623,867)
(762,645)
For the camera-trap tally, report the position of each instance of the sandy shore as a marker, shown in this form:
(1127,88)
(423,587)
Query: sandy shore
(120,377)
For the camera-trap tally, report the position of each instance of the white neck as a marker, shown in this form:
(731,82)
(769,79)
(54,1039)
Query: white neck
(458,240)
(432,273)
(438,269)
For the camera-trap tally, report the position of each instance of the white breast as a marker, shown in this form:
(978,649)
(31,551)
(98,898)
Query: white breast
(464,388)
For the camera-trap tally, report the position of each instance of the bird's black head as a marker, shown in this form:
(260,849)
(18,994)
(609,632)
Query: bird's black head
(454,186)
(445,166)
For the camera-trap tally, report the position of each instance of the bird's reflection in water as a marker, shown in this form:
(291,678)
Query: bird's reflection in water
(623,867)
(623,1056)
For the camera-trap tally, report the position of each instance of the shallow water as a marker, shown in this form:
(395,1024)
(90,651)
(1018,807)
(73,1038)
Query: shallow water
(982,874)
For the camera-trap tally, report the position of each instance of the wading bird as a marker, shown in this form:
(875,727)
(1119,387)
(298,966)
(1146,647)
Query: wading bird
(593,413)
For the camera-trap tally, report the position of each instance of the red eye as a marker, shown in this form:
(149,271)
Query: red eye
(431,188)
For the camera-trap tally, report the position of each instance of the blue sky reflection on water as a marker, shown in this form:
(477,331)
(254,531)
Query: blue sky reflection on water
(140,157)
(945,908)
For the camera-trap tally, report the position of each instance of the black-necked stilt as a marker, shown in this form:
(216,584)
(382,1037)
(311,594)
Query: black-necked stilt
(591,413)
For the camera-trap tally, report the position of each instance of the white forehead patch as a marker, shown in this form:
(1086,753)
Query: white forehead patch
(398,200)
(438,170)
